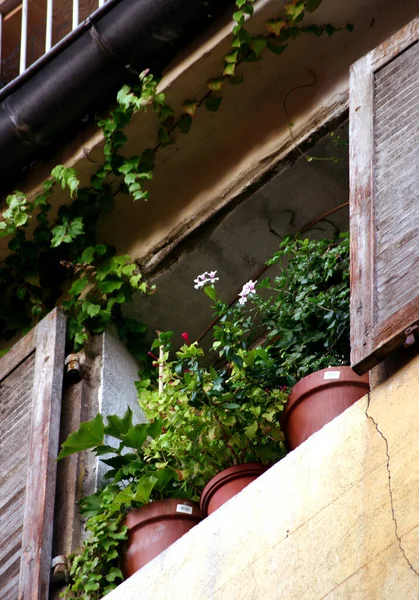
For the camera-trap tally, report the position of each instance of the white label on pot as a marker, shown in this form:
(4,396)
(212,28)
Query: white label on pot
(184,508)
(332,375)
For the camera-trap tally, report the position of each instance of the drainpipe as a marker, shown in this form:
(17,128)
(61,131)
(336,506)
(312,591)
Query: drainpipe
(46,104)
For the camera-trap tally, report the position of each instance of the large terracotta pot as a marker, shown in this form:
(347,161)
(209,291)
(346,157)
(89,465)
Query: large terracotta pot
(318,398)
(154,527)
(227,484)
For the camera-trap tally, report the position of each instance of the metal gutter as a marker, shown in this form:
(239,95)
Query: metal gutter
(121,38)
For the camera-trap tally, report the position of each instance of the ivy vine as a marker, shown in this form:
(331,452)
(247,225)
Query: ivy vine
(58,259)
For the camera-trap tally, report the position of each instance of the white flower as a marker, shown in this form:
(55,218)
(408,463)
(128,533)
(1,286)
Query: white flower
(247,290)
(204,278)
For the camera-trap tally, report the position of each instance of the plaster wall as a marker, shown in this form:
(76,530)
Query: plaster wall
(117,390)
(337,518)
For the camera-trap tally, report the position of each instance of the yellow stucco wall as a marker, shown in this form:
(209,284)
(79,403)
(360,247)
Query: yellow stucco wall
(318,524)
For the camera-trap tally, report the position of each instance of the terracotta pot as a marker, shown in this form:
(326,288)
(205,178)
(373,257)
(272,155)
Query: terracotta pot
(318,398)
(154,527)
(227,484)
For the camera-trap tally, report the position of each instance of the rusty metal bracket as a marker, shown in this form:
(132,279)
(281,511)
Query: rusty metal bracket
(60,567)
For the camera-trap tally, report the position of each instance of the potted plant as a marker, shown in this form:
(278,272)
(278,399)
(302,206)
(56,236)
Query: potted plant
(306,320)
(140,513)
(222,423)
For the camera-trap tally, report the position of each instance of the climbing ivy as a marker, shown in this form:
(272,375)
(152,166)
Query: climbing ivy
(57,258)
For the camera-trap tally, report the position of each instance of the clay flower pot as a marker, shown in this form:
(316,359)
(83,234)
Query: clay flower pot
(227,484)
(154,527)
(318,398)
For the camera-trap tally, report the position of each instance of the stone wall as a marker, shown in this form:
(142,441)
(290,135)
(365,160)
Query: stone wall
(338,518)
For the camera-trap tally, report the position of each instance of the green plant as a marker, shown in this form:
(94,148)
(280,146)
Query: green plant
(137,475)
(306,316)
(216,417)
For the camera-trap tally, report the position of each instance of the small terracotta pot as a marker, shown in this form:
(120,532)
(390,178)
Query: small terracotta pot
(154,527)
(227,484)
(318,398)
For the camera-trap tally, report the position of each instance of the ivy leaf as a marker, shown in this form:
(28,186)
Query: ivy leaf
(76,227)
(258,45)
(67,178)
(88,255)
(313,5)
(215,85)
(113,574)
(78,286)
(294,11)
(89,435)
(135,281)
(232,57)
(107,287)
(213,103)
(229,70)
(144,488)
(275,47)
(21,293)
(118,426)
(91,309)
(189,107)
(136,436)
(275,26)
(185,123)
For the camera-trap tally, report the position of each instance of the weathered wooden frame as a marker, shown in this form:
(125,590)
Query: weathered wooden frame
(47,340)
(370,342)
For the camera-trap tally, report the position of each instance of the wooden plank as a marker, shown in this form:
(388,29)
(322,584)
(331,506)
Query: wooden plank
(396,181)
(361,207)
(394,45)
(384,175)
(43,448)
(15,419)
(17,354)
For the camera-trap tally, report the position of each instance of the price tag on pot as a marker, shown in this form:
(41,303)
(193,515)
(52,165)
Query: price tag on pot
(331,375)
(184,508)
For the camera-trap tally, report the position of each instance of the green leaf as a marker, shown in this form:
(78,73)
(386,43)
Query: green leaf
(229,70)
(231,58)
(114,573)
(213,103)
(185,123)
(88,255)
(275,26)
(313,5)
(136,436)
(275,47)
(189,107)
(107,287)
(258,44)
(119,426)
(215,85)
(91,309)
(294,11)
(89,435)
(251,430)
(144,488)
(78,286)
(209,290)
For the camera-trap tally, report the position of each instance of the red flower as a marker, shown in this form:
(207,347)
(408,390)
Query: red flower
(186,338)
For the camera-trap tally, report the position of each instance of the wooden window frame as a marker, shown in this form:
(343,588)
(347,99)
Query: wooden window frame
(370,342)
(47,340)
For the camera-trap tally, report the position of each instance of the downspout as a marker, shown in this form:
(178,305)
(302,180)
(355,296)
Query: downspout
(119,40)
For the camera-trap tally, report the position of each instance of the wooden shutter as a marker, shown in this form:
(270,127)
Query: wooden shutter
(384,197)
(30,404)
